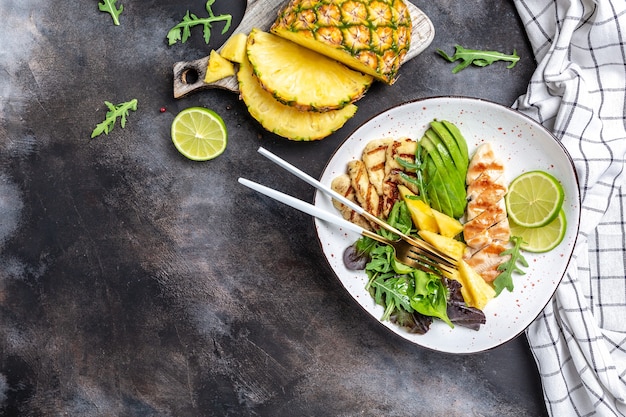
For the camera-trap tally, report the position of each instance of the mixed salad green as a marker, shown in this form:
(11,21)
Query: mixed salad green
(410,297)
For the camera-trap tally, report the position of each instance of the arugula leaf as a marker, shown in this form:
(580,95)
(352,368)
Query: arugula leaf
(400,218)
(121,111)
(182,31)
(396,293)
(108,6)
(381,259)
(431,296)
(478,58)
(419,175)
(505,278)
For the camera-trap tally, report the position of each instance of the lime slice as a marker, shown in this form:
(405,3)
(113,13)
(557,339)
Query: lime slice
(199,134)
(544,238)
(534,199)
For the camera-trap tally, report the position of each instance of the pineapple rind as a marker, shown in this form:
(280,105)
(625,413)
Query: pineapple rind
(284,120)
(370,36)
(302,78)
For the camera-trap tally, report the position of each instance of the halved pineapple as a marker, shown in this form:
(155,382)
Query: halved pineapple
(371,36)
(284,120)
(302,78)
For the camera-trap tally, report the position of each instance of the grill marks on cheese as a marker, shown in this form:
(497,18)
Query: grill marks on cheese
(486,230)
(373,179)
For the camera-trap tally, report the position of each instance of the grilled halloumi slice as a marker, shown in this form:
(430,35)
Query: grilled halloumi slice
(391,194)
(366,193)
(374,157)
(400,148)
(343,185)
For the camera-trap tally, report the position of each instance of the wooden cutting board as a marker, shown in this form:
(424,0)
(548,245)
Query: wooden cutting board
(189,75)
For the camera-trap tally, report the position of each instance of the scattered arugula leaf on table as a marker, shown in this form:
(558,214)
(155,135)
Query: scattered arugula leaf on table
(115,112)
(478,57)
(182,31)
(505,278)
(108,6)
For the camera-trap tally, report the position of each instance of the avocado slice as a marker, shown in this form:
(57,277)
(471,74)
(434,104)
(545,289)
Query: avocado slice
(452,183)
(437,195)
(451,145)
(448,162)
(458,137)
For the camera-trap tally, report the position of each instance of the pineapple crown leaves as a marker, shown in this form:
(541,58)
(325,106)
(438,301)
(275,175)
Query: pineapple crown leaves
(182,31)
(505,278)
(115,112)
(108,6)
(477,57)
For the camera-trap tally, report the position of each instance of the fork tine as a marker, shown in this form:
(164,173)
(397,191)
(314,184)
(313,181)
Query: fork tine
(429,250)
(432,257)
(419,265)
(420,257)
(412,255)
(424,265)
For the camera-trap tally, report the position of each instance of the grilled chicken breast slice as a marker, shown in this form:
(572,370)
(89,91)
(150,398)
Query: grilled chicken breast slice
(476,229)
(486,230)
(487,260)
(484,161)
(484,192)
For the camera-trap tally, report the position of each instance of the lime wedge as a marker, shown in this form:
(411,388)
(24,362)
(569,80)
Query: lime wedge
(199,134)
(534,199)
(544,238)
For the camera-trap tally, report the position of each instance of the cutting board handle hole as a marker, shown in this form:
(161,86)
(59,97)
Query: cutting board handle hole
(189,76)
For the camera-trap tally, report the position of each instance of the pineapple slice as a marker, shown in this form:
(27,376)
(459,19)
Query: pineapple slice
(284,120)
(447,245)
(476,292)
(448,226)
(421,213)
(218,68)
(371,36)
(302,78)
(234,49)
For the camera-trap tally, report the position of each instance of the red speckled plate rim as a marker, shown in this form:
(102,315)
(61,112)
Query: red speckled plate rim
(523,145)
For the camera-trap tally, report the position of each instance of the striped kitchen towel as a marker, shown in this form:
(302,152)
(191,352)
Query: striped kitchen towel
(579,92)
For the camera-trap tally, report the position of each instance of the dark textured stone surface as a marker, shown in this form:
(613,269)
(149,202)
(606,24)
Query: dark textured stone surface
(134,282)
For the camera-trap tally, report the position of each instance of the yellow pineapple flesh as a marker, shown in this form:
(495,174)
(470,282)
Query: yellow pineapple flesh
(302,78)
(370,36)
(284,120)
(218,68)
(234,49)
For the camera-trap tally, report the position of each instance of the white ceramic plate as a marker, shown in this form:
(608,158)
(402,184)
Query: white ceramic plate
(523,145)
